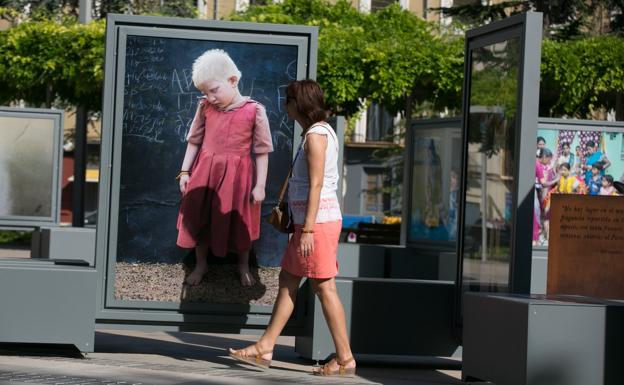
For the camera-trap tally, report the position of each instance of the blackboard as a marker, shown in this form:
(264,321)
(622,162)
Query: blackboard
(159,103)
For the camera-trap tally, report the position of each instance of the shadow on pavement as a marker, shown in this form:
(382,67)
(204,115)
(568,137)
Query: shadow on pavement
(39,350)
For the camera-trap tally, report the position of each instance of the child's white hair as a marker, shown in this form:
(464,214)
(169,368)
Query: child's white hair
(214,64)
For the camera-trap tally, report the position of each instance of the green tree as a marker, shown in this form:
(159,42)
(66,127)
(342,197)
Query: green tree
(388,57)
(579,76)
(563,19)
(44,61)
(384,57)
(178,8)
(42,10)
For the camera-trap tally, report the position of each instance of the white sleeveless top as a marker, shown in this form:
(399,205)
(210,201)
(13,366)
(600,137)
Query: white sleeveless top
(299,183)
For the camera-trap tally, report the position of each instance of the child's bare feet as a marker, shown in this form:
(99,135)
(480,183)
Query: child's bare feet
(197,274)
(246,278)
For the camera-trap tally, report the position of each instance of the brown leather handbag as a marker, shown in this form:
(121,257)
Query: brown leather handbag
(280,215)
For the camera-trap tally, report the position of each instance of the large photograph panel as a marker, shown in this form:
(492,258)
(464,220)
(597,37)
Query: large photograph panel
(160,101)
(582,160)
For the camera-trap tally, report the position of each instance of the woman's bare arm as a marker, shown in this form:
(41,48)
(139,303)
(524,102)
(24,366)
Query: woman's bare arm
(315,147)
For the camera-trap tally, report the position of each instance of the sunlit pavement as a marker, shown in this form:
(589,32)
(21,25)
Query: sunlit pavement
(137,357)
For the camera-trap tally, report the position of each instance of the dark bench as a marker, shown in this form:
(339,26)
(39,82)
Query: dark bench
(378,233)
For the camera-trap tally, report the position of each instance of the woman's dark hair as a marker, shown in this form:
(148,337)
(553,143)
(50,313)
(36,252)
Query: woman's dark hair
(544,153)
(309,98)
(590,143)
(565,165)
(541,139)
(609,178)
(598,165)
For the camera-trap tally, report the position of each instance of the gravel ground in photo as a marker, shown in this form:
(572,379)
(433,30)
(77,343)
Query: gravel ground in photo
(165,282)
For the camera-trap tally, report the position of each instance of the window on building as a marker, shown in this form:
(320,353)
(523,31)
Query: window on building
(376,201)
(381,4)
(379,123)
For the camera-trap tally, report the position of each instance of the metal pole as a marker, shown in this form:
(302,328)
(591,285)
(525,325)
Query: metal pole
(201,9)
(483,207)
(84,15)
(80,138)
(215,9)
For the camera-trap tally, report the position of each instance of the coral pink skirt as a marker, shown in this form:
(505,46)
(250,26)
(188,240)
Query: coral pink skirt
(322,263)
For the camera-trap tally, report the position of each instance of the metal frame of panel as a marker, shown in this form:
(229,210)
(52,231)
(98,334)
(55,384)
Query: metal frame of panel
(56,116)
(175,316)
(528,27)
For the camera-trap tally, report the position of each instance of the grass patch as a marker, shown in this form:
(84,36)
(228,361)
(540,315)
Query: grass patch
(15,237)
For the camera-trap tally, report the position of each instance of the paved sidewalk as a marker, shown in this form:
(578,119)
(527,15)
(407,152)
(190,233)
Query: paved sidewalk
(155,358)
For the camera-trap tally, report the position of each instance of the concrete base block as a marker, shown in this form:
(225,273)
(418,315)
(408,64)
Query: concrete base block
(397,317)
(358,260)
(69,243)
(47,303)
(516,340)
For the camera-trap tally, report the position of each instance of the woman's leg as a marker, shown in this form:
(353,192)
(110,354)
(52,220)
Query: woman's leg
(201,265)
(284,305)
(246,279)
(326,291)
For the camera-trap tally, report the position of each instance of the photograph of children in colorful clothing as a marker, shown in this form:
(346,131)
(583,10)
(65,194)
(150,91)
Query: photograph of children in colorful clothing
(589,170)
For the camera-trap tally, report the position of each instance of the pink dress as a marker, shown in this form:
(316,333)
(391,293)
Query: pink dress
(217,207)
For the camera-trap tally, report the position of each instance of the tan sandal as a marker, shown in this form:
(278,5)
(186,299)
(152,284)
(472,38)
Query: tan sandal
(342,371)
(255,360)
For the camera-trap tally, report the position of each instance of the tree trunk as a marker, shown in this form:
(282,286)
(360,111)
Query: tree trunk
(49,94)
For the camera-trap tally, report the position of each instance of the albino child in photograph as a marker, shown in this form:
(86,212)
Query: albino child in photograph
(222,184)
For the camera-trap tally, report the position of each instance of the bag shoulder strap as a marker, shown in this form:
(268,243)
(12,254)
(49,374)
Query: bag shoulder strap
(284,186)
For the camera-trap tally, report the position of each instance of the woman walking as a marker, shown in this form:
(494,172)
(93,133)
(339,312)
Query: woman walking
(312,249)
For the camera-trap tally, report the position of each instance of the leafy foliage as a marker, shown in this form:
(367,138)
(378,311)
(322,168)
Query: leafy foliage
(59,9)
(378,57)
(15,237)
(563,19)
(382,57)
(41,61)
(44,8)
(579,76)
(8,14)
(179,8)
